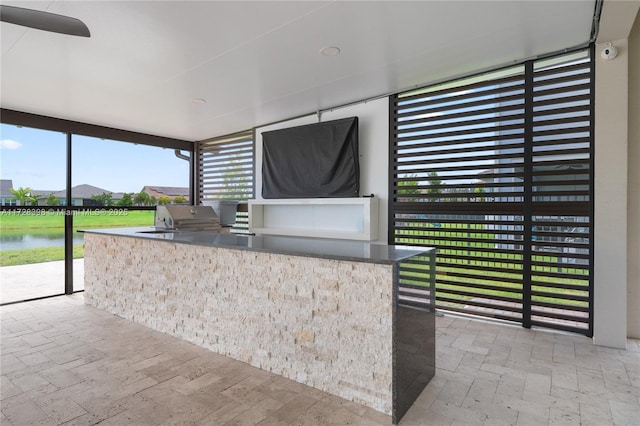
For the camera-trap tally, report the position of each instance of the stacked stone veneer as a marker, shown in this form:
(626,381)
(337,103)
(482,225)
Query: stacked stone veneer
(325,323)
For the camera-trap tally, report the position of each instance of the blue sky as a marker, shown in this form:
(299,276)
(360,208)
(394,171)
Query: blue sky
(37,159)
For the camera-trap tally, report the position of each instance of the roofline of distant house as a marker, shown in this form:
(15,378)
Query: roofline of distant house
(116,195)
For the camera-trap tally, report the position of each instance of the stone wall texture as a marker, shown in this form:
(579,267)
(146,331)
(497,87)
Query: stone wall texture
(325,323)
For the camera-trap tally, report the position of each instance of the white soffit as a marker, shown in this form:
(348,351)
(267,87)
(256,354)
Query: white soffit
(259,62)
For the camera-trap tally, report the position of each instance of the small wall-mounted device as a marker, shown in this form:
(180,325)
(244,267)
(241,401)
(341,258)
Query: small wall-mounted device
(609,52)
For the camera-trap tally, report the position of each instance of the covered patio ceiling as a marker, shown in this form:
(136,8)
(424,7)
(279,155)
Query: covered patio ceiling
(148,66)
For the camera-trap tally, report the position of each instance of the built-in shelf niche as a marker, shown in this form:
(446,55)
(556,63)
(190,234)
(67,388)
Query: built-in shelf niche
(342,218)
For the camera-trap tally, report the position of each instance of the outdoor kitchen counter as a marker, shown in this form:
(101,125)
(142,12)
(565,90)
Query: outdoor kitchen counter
(356,251)
(351,318)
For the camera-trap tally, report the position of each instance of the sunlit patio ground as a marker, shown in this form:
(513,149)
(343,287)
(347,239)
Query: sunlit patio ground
(23,282)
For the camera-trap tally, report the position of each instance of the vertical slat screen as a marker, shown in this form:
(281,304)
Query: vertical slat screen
(226,167)
(561,163)
(467,159)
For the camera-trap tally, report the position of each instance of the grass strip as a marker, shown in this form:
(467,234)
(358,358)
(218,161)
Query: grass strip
(37,255)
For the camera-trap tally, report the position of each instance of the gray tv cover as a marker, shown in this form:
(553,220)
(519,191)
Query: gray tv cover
(313,161)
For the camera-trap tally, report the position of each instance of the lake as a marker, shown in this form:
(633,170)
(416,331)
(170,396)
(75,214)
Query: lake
(24,241)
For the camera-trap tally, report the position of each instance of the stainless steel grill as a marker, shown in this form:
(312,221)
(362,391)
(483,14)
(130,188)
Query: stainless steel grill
(187,218)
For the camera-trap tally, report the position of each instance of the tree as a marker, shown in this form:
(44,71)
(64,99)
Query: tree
(180,199)
(126,200)
(436,182)
(235,184)
(21,194)
(52,201)
(409,187)
(141,199)
(151,201)
(164,199)
(104,199)
(33,199)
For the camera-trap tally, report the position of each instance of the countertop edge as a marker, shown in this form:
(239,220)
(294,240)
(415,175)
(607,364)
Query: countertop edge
(393,255)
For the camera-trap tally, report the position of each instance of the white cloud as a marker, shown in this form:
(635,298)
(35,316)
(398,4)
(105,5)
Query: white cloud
(9,144)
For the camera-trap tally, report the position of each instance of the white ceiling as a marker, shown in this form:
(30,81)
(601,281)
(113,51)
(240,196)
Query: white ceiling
(259,62)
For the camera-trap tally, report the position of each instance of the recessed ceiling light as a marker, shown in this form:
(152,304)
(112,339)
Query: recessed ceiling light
(330,51)
(199,101)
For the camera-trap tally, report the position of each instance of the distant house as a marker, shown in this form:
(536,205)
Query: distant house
(6,197)
(43,194)
(167,191)
(80,195)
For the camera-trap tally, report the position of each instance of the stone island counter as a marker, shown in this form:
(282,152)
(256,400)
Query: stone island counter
(353,319)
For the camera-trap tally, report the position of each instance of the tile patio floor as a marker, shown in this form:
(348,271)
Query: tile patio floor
(66,363)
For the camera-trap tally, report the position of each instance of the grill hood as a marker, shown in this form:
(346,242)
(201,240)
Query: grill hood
(187,218)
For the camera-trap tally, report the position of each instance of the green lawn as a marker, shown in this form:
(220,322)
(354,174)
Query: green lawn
(52,225)
(37,255)
(83,220)
(456,275)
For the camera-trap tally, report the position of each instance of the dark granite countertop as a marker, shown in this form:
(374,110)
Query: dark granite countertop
(357,251)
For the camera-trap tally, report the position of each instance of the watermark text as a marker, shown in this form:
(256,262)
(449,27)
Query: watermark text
(55,212)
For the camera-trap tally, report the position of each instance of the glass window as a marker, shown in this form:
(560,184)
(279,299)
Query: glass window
(117,174)
(33,172)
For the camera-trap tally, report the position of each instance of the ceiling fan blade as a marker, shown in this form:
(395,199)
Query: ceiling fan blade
(46,21)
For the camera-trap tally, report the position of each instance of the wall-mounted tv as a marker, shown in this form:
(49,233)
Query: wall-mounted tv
(314,161)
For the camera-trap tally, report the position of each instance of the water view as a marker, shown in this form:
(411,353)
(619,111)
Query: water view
(23,232)
(31,240)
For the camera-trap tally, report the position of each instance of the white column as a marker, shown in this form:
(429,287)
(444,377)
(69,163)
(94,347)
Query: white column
(611,147)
